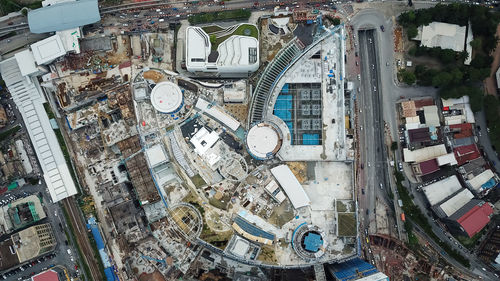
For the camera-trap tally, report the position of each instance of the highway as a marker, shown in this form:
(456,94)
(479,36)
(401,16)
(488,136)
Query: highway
(390,93)
(375,179)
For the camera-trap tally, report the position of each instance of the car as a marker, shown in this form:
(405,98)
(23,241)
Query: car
(359,77)
(387,63)
(381,186)
(363,191)
(382,28)
(400,166)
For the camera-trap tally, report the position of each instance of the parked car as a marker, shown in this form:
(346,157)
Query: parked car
(382,28)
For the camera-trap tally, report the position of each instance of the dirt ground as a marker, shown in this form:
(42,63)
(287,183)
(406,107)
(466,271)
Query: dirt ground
(282,214)
(239,111)
(490,84)
(299,169)
(153,75)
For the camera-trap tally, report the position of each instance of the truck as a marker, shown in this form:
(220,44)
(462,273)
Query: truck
(400,203)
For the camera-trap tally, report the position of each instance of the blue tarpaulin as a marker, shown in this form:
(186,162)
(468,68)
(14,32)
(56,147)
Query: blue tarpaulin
(310,139)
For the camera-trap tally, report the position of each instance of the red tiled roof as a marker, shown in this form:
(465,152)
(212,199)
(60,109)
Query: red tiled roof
(49,275)
(476,219)
(464,130)
(429,167)
(466,153)
(423,102)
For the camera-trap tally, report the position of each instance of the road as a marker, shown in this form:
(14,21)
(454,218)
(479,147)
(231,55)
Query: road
(371,129)
(391,93)
(484,140)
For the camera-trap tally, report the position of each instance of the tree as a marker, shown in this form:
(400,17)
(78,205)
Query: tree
(24,11)
(447,56)
(441,79)
(394,145)
(407,77)
(481,61)
(411,16)
(476,44)
(412,31)
(457,75)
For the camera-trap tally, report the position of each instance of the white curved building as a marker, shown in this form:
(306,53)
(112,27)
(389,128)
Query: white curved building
(263,141)
(166,97)
(236,55)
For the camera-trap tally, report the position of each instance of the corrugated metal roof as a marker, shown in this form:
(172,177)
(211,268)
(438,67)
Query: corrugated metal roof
(63,16)
(466,153)
(424,154)
(476,219)
(456,202)
(419,135)
(429,167)
(27,95)
(481,179)
(462,130)
(431,116)
(440,190)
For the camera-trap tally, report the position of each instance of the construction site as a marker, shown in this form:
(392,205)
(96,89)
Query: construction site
(180,174)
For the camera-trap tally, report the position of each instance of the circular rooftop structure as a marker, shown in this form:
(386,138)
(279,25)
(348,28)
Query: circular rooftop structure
(309,242)
(166,97)
(263,141)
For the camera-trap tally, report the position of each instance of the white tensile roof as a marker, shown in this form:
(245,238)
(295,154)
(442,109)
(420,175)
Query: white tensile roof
(291,186)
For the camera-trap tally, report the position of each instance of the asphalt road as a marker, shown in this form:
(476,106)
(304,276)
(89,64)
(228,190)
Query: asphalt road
(371,128)
(391,93)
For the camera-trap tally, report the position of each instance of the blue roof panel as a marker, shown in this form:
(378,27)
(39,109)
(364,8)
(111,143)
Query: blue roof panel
(63,16)
(252,229)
